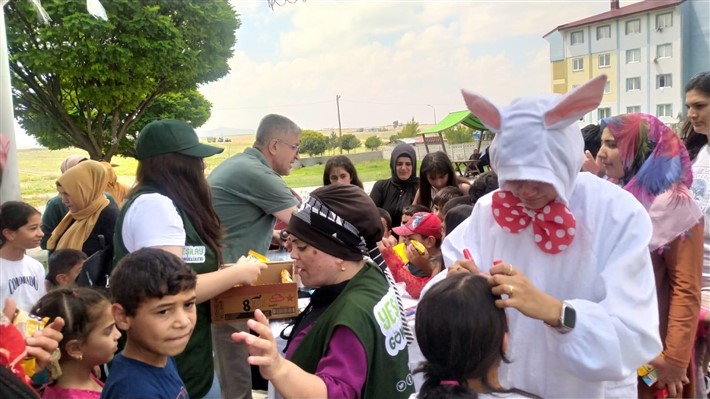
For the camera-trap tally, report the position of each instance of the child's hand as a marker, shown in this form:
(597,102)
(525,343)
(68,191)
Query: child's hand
(419,260)
(44,342)
(250,272)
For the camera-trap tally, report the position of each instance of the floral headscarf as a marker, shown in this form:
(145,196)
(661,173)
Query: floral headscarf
(658,172)
(652,155)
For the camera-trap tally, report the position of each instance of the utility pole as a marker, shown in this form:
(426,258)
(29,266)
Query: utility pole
(340,128)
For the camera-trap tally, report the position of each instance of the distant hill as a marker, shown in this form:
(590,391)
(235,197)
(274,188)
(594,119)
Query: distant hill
(225,131)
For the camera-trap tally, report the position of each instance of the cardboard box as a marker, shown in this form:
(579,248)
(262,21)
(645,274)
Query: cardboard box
(275,299)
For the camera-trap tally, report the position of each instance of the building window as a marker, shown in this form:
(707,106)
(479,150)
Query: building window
(664,81)
(633,26)
(664,110)
(578,64)
(576,37)
(633,84)
(603,113)
(633,56)
(607,88)
(664,51)
(604,60)
(603,32)
(664,21)
(633,109)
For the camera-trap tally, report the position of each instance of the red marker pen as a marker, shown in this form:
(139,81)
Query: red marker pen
(467,254)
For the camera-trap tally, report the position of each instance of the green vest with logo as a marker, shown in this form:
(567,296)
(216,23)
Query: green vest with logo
(195,364)
(367,306)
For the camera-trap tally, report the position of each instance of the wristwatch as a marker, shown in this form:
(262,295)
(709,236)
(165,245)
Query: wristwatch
(568,319)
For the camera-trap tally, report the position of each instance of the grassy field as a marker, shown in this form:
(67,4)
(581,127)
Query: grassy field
(39,169)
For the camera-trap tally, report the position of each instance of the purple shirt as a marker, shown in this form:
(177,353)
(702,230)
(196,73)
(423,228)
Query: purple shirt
(344,366)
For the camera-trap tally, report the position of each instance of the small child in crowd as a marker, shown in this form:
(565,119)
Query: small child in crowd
(386,220)
(484,184)
(409,211)
(64,267)
(442,197)
(454,217)
(424,228)
(21,276)
(90,339)
(463,336)
(154,303)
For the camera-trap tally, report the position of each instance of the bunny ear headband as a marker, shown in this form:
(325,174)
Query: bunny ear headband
(569,109)
(537,139)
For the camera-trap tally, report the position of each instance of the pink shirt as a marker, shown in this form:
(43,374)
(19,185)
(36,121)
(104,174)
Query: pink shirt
(57,392)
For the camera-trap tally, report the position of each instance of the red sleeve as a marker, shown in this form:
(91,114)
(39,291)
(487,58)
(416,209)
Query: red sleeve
(412,283)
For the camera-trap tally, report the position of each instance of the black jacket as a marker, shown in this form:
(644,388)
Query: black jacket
(394,194)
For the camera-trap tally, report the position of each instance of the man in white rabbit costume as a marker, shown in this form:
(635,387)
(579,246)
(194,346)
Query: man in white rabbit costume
(568,251)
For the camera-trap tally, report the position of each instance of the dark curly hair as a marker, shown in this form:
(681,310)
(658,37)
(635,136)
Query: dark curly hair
(149,273)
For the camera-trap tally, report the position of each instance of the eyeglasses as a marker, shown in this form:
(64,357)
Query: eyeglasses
(295,148)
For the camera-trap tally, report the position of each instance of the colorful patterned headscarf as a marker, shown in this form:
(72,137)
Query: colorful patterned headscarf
(657,172)
(652,155)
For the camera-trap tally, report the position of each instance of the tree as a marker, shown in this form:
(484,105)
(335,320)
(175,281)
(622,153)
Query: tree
(349,142)
(333,141)
(459,134)
(92,84)
(394,138)
(410,129)
(395,124)
(373,143)
(313,143)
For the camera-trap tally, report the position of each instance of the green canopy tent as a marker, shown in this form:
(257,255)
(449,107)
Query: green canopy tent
(454,118)
(465,117)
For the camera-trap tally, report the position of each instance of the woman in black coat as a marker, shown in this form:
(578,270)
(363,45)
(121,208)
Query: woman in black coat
(398,191)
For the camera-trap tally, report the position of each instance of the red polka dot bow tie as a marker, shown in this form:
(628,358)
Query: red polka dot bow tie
(553,225)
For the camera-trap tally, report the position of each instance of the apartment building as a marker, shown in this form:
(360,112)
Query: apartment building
(647,49)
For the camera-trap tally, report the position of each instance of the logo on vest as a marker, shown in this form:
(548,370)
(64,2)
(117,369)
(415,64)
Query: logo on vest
(387,316)
(194,254)
(406,382)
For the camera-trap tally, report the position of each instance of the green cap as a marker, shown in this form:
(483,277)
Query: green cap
(166,136)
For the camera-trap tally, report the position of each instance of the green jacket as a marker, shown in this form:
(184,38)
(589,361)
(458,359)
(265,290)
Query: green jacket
(367,306)
(195,364)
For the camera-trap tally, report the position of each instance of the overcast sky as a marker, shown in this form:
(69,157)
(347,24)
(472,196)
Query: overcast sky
(386,59)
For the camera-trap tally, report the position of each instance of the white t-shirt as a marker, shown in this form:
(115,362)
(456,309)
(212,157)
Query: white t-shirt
(152,220)
(22,280)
